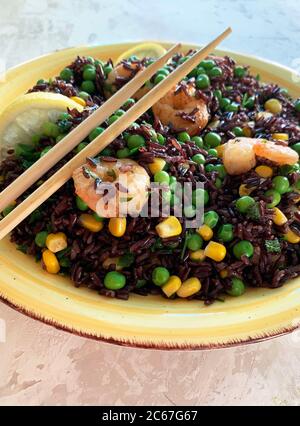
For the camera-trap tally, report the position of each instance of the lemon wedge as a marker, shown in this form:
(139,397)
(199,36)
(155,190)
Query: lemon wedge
(24,117)
(152,50)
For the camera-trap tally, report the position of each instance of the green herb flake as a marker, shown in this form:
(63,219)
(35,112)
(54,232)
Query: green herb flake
(273,246)
(253,212)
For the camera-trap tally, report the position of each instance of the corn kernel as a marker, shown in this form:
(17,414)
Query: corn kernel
(280,136)
(291,237)
(244,190)
(220,150)
(112,261)
(247,132)
(263,115)
(90,223)
(189,287)
(172,285)
(279,218)
(224,273)
(264,171)
(197,255)
(50,261)
(117,226)
(273,105)
(170,227)
(157,165)
(206,232)
(79,100)
(56,242)
(215,251)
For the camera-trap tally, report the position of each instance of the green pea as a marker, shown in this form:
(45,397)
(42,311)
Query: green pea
(162,177)
(183,137)
(160,275)
(218,183)
(281,184)
(287,169)
(66,74)
(237,287)
(200,70)
(123,153)
(297,184)
(202,81)
(163,71)
(89,74)
(243,203)
(276,197)
(238,131)
(212,139)
(106,152)
(41,81)
(8,209)
(284,91)
(35,139)
(200,196)
(250,102)
(135,141)
(243,248)
(211,218)
(194,242)
(213,152)
(207,64)
(225,233)
(87,66)
(193,73)
(40,239)
(114,280)
(233,107)
(189,211)
(220,169)
(88,86)
(158,78)
(161,139)
(95,133)
(218,94)
(80,147)
(296,147)
(215,72)
(198,158)
(209,168)
(297,105)
(107,69)
(64,116)
(198,141)
(45,151)
(129,103)
(81,205)
(224,103)
(239,72)
(84,95)
(50,129)
(112,119)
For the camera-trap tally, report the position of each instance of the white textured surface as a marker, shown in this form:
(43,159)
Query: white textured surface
(40,365)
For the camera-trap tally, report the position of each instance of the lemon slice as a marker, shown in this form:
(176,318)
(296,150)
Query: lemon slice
(152,50)
(24,117)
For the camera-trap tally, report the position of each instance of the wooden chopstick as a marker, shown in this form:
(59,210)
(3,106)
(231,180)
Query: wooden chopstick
(61,176)
(59,151)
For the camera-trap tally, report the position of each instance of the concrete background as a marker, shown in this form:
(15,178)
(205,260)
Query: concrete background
(40,365)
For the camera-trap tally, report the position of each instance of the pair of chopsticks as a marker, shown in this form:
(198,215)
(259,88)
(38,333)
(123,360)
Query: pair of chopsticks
(56,181)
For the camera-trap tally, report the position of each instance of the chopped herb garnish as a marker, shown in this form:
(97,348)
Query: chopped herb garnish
(244,100)
(253,212)
(35,216)
(186,237)
(126,260)
(23,248)
(273,246)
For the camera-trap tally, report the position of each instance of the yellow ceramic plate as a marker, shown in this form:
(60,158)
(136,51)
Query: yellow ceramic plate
(150,322)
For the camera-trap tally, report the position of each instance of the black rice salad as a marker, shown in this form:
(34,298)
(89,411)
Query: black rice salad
(220,127)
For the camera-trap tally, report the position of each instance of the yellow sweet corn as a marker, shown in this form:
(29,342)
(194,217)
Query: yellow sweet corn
(220,150)
(224,273)
(273,105)
(56,242)
(172,285)
(170,227)
(244,190)
(157,165)
(280,136)
(247,132)
(279,218)
(264,171)
(291,237)
(112,261)
(117,226)
(197,255)
(206,232)
(50,261)
(189,287)
(90,223)
(215,251)
(79,100)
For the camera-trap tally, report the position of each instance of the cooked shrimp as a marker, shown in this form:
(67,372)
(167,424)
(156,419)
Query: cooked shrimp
(112,188)
(124,72)
(239,154)
(180,109)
